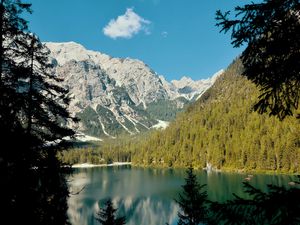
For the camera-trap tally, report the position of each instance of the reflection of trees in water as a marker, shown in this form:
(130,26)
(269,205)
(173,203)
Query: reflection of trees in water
(143,211)
(121,184)
(77,203)
(128,188)
(221,186)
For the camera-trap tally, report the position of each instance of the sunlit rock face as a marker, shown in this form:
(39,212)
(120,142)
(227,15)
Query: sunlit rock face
(114,95)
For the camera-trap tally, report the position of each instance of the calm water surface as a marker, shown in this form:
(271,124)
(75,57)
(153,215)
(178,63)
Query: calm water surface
(146,196)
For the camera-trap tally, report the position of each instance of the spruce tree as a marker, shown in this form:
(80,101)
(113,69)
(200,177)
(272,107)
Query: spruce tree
(277,206)
(192,201)
(12,28)
(106,215)
(33,120)
(271,32)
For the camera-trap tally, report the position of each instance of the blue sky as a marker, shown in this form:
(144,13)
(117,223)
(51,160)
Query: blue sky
(174,37)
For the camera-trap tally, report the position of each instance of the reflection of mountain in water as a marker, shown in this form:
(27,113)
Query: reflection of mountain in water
(142,211)
(141,198)
(145,196)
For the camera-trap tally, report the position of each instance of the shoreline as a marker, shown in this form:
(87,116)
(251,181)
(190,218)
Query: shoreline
(223,170)
(89,165)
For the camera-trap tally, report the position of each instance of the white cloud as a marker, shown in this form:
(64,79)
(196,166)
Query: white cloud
(127,25)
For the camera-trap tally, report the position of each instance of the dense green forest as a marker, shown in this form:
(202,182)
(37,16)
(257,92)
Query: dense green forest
(106,152)
(220,129)
(94,156)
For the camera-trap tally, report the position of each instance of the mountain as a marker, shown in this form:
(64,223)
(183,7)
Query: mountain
(189,88)
(119,95)
(221,131)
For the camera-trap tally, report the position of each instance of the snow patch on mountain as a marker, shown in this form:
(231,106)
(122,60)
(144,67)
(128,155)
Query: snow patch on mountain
(161,125)
(212,80)
(115,95)
(188,88)
(85,138)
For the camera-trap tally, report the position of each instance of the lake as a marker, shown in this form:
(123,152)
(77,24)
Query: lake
(146,195)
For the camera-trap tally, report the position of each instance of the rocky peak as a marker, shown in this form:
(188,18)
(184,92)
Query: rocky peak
(115,95)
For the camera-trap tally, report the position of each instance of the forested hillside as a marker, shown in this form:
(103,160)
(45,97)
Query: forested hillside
(221,129)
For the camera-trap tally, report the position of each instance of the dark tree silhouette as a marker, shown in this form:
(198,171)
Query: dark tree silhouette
(33,117)
(192,201)
(11,26)
(271,31)
(106,215)
(278,206)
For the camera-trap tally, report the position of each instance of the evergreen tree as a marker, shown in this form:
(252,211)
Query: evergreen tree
(33,114)
(271,31)
(106,215)
(192,201)
(12,28)
(278,206)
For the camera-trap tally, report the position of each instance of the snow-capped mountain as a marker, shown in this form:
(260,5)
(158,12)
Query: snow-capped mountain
(188,88)
(115,95)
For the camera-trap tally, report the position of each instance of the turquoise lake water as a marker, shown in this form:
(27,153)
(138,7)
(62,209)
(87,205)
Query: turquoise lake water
(146,195)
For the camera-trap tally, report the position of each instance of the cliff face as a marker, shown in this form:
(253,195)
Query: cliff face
(114,95)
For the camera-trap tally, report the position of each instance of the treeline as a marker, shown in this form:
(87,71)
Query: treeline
(93,156)
(105,152)
(221,129)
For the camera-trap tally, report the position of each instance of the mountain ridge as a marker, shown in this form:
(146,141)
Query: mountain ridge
(115,95)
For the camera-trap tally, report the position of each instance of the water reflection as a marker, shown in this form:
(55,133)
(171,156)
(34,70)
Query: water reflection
(137,210)
(146,196)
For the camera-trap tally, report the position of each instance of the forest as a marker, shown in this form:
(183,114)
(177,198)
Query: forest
(223,130)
